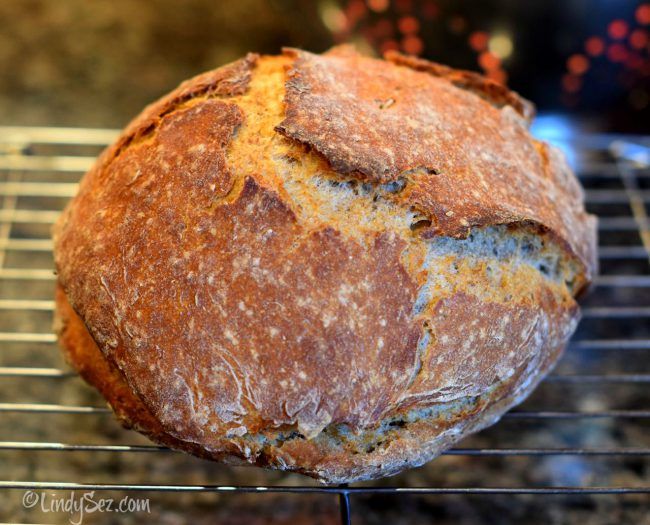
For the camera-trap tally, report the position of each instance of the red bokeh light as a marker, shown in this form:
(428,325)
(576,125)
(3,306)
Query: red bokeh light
(430,10)
(478,41)
(408,25)
(571,83)
(638,39)
(617,53)
(489,61)
(577,64)
(595,46)
(355,10)
(642,14)
(617,29)
(412,45)
(457,24)
(378,5)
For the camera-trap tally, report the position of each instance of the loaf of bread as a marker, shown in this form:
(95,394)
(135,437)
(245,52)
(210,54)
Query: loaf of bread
(329,264)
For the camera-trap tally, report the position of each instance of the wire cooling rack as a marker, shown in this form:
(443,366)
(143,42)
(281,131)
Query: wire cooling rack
(585,431)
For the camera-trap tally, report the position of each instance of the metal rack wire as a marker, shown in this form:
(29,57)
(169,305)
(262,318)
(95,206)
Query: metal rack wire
(39,170)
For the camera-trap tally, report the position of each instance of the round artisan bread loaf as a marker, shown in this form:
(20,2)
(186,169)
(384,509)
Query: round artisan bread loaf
(329,264)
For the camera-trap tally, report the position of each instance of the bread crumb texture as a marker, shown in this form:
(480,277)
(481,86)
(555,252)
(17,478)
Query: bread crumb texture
(328,264)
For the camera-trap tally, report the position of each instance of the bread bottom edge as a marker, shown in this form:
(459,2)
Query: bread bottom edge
(331,457)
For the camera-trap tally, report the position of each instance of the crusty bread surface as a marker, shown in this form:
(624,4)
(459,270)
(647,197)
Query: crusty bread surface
(329,264)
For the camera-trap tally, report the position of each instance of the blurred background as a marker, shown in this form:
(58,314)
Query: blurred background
(80,63)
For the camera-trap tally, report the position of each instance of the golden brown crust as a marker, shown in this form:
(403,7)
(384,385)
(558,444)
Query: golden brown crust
(227,81)
(495,93)
(379,121)
(409,442)
(243,302)
(82,353)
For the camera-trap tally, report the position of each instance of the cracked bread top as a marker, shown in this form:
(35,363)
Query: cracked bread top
(311,241)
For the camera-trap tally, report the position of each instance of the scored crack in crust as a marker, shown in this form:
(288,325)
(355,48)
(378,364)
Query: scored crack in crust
(293,261)
(339,107)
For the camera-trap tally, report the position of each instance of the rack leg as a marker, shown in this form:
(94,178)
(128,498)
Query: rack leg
(344,505)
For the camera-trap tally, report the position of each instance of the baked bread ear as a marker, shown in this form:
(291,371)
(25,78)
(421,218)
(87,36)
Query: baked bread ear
(328,264)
